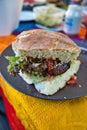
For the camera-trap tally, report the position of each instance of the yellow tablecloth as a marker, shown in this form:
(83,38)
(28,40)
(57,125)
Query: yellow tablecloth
(39,114)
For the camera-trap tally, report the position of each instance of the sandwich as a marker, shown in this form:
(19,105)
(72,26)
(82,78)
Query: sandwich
(43,58)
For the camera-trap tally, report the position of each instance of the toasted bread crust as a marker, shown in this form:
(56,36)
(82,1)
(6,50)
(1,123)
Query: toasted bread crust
(39,41)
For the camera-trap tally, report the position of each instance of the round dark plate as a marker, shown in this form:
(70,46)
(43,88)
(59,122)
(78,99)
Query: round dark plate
(69,92)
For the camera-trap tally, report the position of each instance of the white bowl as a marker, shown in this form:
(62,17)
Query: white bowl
(49,15)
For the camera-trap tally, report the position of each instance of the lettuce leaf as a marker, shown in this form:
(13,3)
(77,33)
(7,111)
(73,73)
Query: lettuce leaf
(14,61)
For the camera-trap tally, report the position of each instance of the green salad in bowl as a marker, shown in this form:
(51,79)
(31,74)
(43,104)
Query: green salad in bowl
(49,15)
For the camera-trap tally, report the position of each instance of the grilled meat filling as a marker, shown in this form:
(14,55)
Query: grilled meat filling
(43,67)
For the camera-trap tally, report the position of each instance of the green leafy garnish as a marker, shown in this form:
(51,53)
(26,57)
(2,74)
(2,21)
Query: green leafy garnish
(15,61)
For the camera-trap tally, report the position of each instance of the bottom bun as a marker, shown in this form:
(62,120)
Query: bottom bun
(49,87)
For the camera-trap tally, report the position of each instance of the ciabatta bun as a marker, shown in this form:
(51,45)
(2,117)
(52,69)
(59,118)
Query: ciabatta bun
(45,44)
(40,43)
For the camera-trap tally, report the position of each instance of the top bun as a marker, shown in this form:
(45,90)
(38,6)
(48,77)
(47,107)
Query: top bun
(45,44)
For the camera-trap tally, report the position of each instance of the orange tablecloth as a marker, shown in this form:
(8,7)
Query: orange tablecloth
(14,122)
(38,114)
(5,41)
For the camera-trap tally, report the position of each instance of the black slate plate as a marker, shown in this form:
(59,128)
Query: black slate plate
(69,92)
